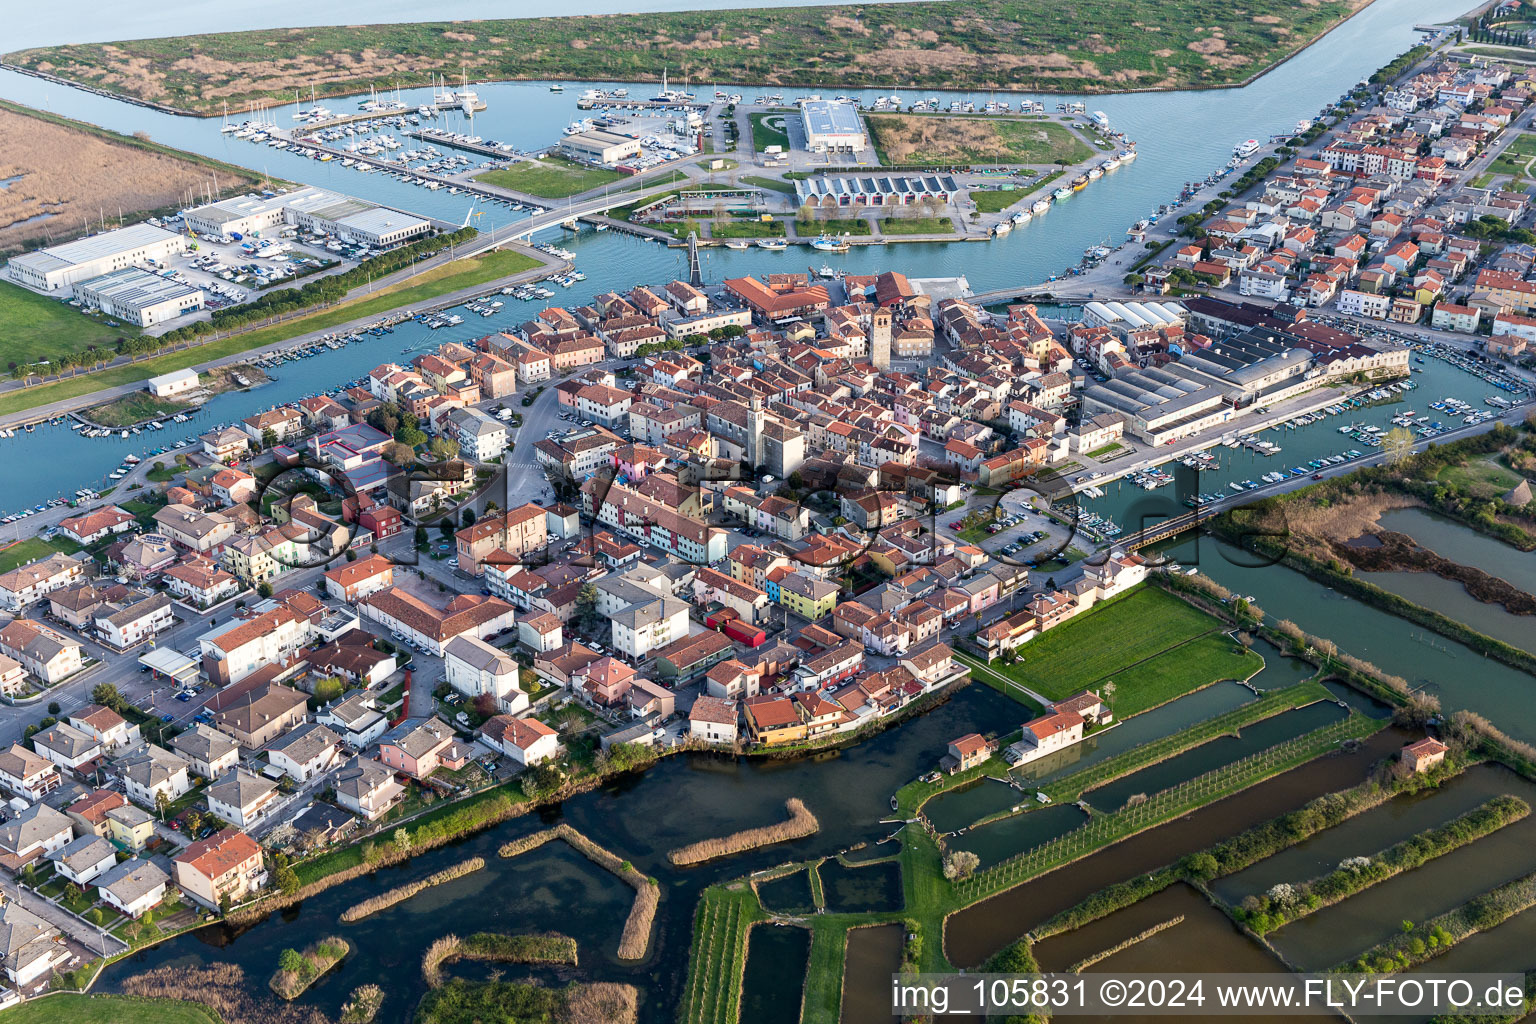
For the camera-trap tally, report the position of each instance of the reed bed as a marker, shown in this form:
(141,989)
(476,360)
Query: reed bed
(401,893)
(801,823)
(363,1005)
(636,936)
(549,948)
(222,988)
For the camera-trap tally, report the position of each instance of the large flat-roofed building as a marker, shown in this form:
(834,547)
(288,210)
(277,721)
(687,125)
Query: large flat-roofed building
(139,297)
(834,125)
(59,267)
(314,209)
(600,147)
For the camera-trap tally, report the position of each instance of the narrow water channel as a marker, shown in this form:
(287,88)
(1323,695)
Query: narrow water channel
(1450,539)
(1002,839)
(975,933)
(1166,720)
(1337,933)
(1455,673)
(1204,941)
(1215,754)
(1370,832)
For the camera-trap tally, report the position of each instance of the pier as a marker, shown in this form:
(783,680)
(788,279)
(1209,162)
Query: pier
(440,137)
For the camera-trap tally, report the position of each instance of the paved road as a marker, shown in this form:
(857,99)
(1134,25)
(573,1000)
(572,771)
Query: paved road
(89,936)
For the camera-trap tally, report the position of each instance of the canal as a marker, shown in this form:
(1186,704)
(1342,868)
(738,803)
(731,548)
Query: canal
(1459,676)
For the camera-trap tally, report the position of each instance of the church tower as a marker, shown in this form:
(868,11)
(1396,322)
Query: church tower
(880,339)
(755,419)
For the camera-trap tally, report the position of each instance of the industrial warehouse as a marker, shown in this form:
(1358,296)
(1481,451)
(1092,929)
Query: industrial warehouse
(877,190)
(139,297)
(832,125)
(61,266)
(599,147)
(314,209)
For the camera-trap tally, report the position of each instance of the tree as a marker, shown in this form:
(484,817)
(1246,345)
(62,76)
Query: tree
(402,840)
(1398,445)
(287,879)
(195,822)
(53,707)
(446,447)
(328,689)
(292,961)
(410,436)
(420,536)
(588,621)
(485,705)
(959,864)
(162,803)
(264,589)
(445,527)
(468,517)
(268,437)
(399,454)
(108,696)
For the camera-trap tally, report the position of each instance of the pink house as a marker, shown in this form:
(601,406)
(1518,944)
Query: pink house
(608,681)
(420,751)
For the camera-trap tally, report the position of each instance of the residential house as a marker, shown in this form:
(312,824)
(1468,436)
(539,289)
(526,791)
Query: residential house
(473,667)
(29,946)
(222,869)
(527,741)
(27,774)
(420,750)
(310,750)
(367,789)
(150,772)
(47,654)
(259,714)
(209,752)
(240,797)
(712,720)
(355,719)
(33,833)
(130,827)
(67,746)
(81,860)
(134,887)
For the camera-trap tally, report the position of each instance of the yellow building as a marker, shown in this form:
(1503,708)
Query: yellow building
(807,597)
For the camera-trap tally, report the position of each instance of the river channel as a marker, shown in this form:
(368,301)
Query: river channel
(1180,135)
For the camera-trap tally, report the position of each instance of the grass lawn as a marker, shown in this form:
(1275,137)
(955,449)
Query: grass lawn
(1482,478)
(22,552)
(994,200)
(73,1008)
(917,226)
(940,139)
(834,226)
(1108,449)
(131,409)
(768,130)
(550,177)
(39,328)
(746,229)
(450,277)
(776,184)
(670,178)
(1145,642)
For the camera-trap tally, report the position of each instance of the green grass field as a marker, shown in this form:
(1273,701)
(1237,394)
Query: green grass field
(993,200)
(1150,644)
(1482,478)
(28,550)
(745,229)
(938,139)
(37,328)
(437,281)
(776,184)
(71,1008)
(833,226)
(551,177)
(767,130)
(917,226)
(1515,156)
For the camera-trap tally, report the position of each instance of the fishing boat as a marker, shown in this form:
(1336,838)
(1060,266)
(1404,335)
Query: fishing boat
(826,243)
(1065,192)
(773,244)
(1040,206)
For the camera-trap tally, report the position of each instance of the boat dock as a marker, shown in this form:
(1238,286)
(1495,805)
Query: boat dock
(438,136)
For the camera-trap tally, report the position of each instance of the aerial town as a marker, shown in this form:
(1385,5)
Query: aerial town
(407,536)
